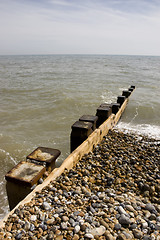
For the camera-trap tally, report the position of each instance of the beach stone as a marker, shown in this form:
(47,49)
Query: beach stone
(117,226)
(83,227)
(75,237)
(27,225)
(99,231)
(147,237)
(104,223)
(64,225)
(46,206)
(157,226)
(89,235)
(60,237)
(32,227)
(137,233)
(158,219)
(108,236)
(150,207)
(130,208)
(152,217)
(121,236)
(50,221)
(76,229)
(33,218)
(144,225)
(124,220)
(121,210)
(65,218)
(18,236)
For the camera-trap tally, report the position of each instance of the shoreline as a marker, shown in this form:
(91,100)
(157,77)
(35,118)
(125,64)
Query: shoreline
(113,192)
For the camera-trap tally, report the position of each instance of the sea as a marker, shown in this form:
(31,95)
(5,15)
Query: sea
(41,96)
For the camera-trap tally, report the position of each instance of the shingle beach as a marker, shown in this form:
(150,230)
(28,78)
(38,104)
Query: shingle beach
(112,193)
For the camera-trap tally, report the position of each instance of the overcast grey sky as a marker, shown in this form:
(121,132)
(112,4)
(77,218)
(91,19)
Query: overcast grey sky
(80,27)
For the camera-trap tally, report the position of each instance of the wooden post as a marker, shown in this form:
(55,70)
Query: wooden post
(89,118)
(44,156)
(80,132)
(20,181)
(126,93)
(130,89)
(103,113)
(106,105)
(115,107)
(121,99)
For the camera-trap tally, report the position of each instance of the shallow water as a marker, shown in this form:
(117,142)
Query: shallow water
(42,96)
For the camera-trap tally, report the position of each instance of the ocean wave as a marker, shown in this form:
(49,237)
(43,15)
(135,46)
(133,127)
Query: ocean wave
(151,131)
(8,155)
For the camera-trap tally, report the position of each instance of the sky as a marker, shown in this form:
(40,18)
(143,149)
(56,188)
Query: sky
(128,27)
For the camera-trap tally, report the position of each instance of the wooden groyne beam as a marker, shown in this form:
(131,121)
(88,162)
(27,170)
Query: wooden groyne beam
(88,145)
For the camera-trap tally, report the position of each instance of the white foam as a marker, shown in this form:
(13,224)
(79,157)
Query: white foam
(8,155)
(108,97)
(151,131)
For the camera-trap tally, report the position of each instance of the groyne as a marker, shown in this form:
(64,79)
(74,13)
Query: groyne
(26,174)
(76,204)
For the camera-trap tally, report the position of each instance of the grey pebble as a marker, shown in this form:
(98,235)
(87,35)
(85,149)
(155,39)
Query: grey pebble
(121,210)
(147,237)
(117,226)
(46,206)
(18,236)
(124,220)
(150,207)
(137,233)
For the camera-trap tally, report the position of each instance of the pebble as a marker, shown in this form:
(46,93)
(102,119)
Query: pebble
(64,225)
(137,233)
(112,193)
(144,225)
(33,218)
(89,235)
(121,210)
(98,231)
(150,207)
(77,229)
(121,236)
(46,206)
(124,220)
(109,236)
(117,226)
(130,208)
